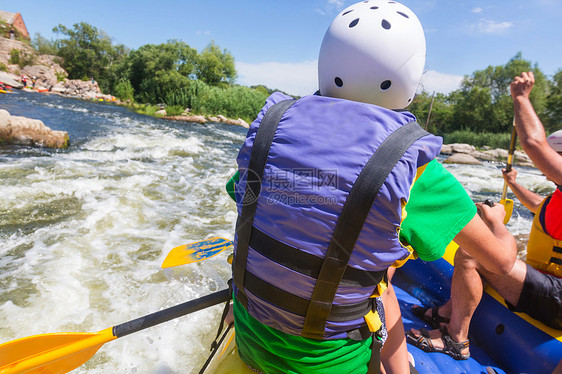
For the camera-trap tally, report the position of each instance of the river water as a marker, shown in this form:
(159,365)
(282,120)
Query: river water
(83,231)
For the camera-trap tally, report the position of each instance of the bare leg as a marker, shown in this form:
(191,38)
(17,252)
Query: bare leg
(394,354)
(466,292)
(509,286)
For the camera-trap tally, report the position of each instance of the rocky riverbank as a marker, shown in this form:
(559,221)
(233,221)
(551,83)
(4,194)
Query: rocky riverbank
(468,154)
(48,73)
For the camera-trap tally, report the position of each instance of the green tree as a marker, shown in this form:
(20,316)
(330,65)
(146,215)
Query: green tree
(87,52)
(154,70)
(483,103)
(554,104)
(43,45)
(441,111)
(215,67)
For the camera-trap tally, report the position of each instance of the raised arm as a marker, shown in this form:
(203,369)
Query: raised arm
(531,131)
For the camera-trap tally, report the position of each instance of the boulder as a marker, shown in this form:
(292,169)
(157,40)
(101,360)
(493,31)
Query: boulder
(27,131)
(462,148)
(462,158)
(10,80)
(196,119)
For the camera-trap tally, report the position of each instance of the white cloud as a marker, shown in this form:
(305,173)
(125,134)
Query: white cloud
(477,10)
(298,78)
(302,78)
(330,6)
(440,82)
(489,26)
(201,32)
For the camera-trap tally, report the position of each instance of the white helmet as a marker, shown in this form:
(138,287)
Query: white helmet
(555,140)
(373,52)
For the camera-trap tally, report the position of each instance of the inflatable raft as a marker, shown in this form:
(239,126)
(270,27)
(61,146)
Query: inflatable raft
(500,341)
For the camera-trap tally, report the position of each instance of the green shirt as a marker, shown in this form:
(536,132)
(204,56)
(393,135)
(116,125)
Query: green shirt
(438,209)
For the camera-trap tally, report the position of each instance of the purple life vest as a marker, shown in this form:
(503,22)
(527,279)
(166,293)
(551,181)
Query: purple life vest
(318,151)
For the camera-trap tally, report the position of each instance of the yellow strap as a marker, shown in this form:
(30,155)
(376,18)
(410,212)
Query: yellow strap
(373,321)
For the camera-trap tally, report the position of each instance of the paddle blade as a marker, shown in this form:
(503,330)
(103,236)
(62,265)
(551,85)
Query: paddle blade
(508,206)
(51,353)
(194,252)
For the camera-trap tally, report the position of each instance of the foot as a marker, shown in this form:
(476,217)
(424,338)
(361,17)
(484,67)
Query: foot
(439,341)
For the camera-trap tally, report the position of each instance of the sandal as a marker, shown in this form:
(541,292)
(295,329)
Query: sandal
(451,347)
(435,320)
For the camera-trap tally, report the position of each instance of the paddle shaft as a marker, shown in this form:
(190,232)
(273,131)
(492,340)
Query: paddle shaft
(170,313)
(511,151)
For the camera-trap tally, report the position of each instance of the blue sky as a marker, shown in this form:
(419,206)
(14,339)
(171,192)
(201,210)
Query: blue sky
(276,43)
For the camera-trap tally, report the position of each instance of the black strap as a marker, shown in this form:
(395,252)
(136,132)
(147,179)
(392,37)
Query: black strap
(298,305)
(306,263)
(258,158)
(350,223)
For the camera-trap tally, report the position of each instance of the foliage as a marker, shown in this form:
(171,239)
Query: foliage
(483,103)
(43,45)
(441,112)
(21,58)
(233,102)
(87,52)
(3,67)
(160,73)
(61,76)
(214,66)
(124,90)
(554,104)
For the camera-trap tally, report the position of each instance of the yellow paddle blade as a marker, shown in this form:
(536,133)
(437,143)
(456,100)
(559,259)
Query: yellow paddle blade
(194,252)
(508,206)
(55,353)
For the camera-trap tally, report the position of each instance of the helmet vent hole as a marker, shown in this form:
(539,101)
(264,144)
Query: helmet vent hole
(403,14)
(374,7)
(385,85)
(338,81)
(354,23)
(385,24)
(349,11)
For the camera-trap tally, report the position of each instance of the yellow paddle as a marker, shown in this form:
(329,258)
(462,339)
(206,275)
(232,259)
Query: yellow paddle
(59,353)
(194,252)
(508,203)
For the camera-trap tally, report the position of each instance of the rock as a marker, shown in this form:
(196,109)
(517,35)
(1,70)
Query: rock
(196,119)
(10,80)
(446,149)
(462,148)
(462,158)
(243,123)
(27,131)
(161,112)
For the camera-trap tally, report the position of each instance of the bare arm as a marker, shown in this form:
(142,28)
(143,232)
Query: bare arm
(531,131)
(528,198)
(488,240)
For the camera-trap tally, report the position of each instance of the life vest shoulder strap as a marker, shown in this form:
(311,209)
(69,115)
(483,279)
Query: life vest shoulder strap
(349,225)
(258,158)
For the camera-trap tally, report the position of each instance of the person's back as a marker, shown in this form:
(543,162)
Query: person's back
(301,275)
